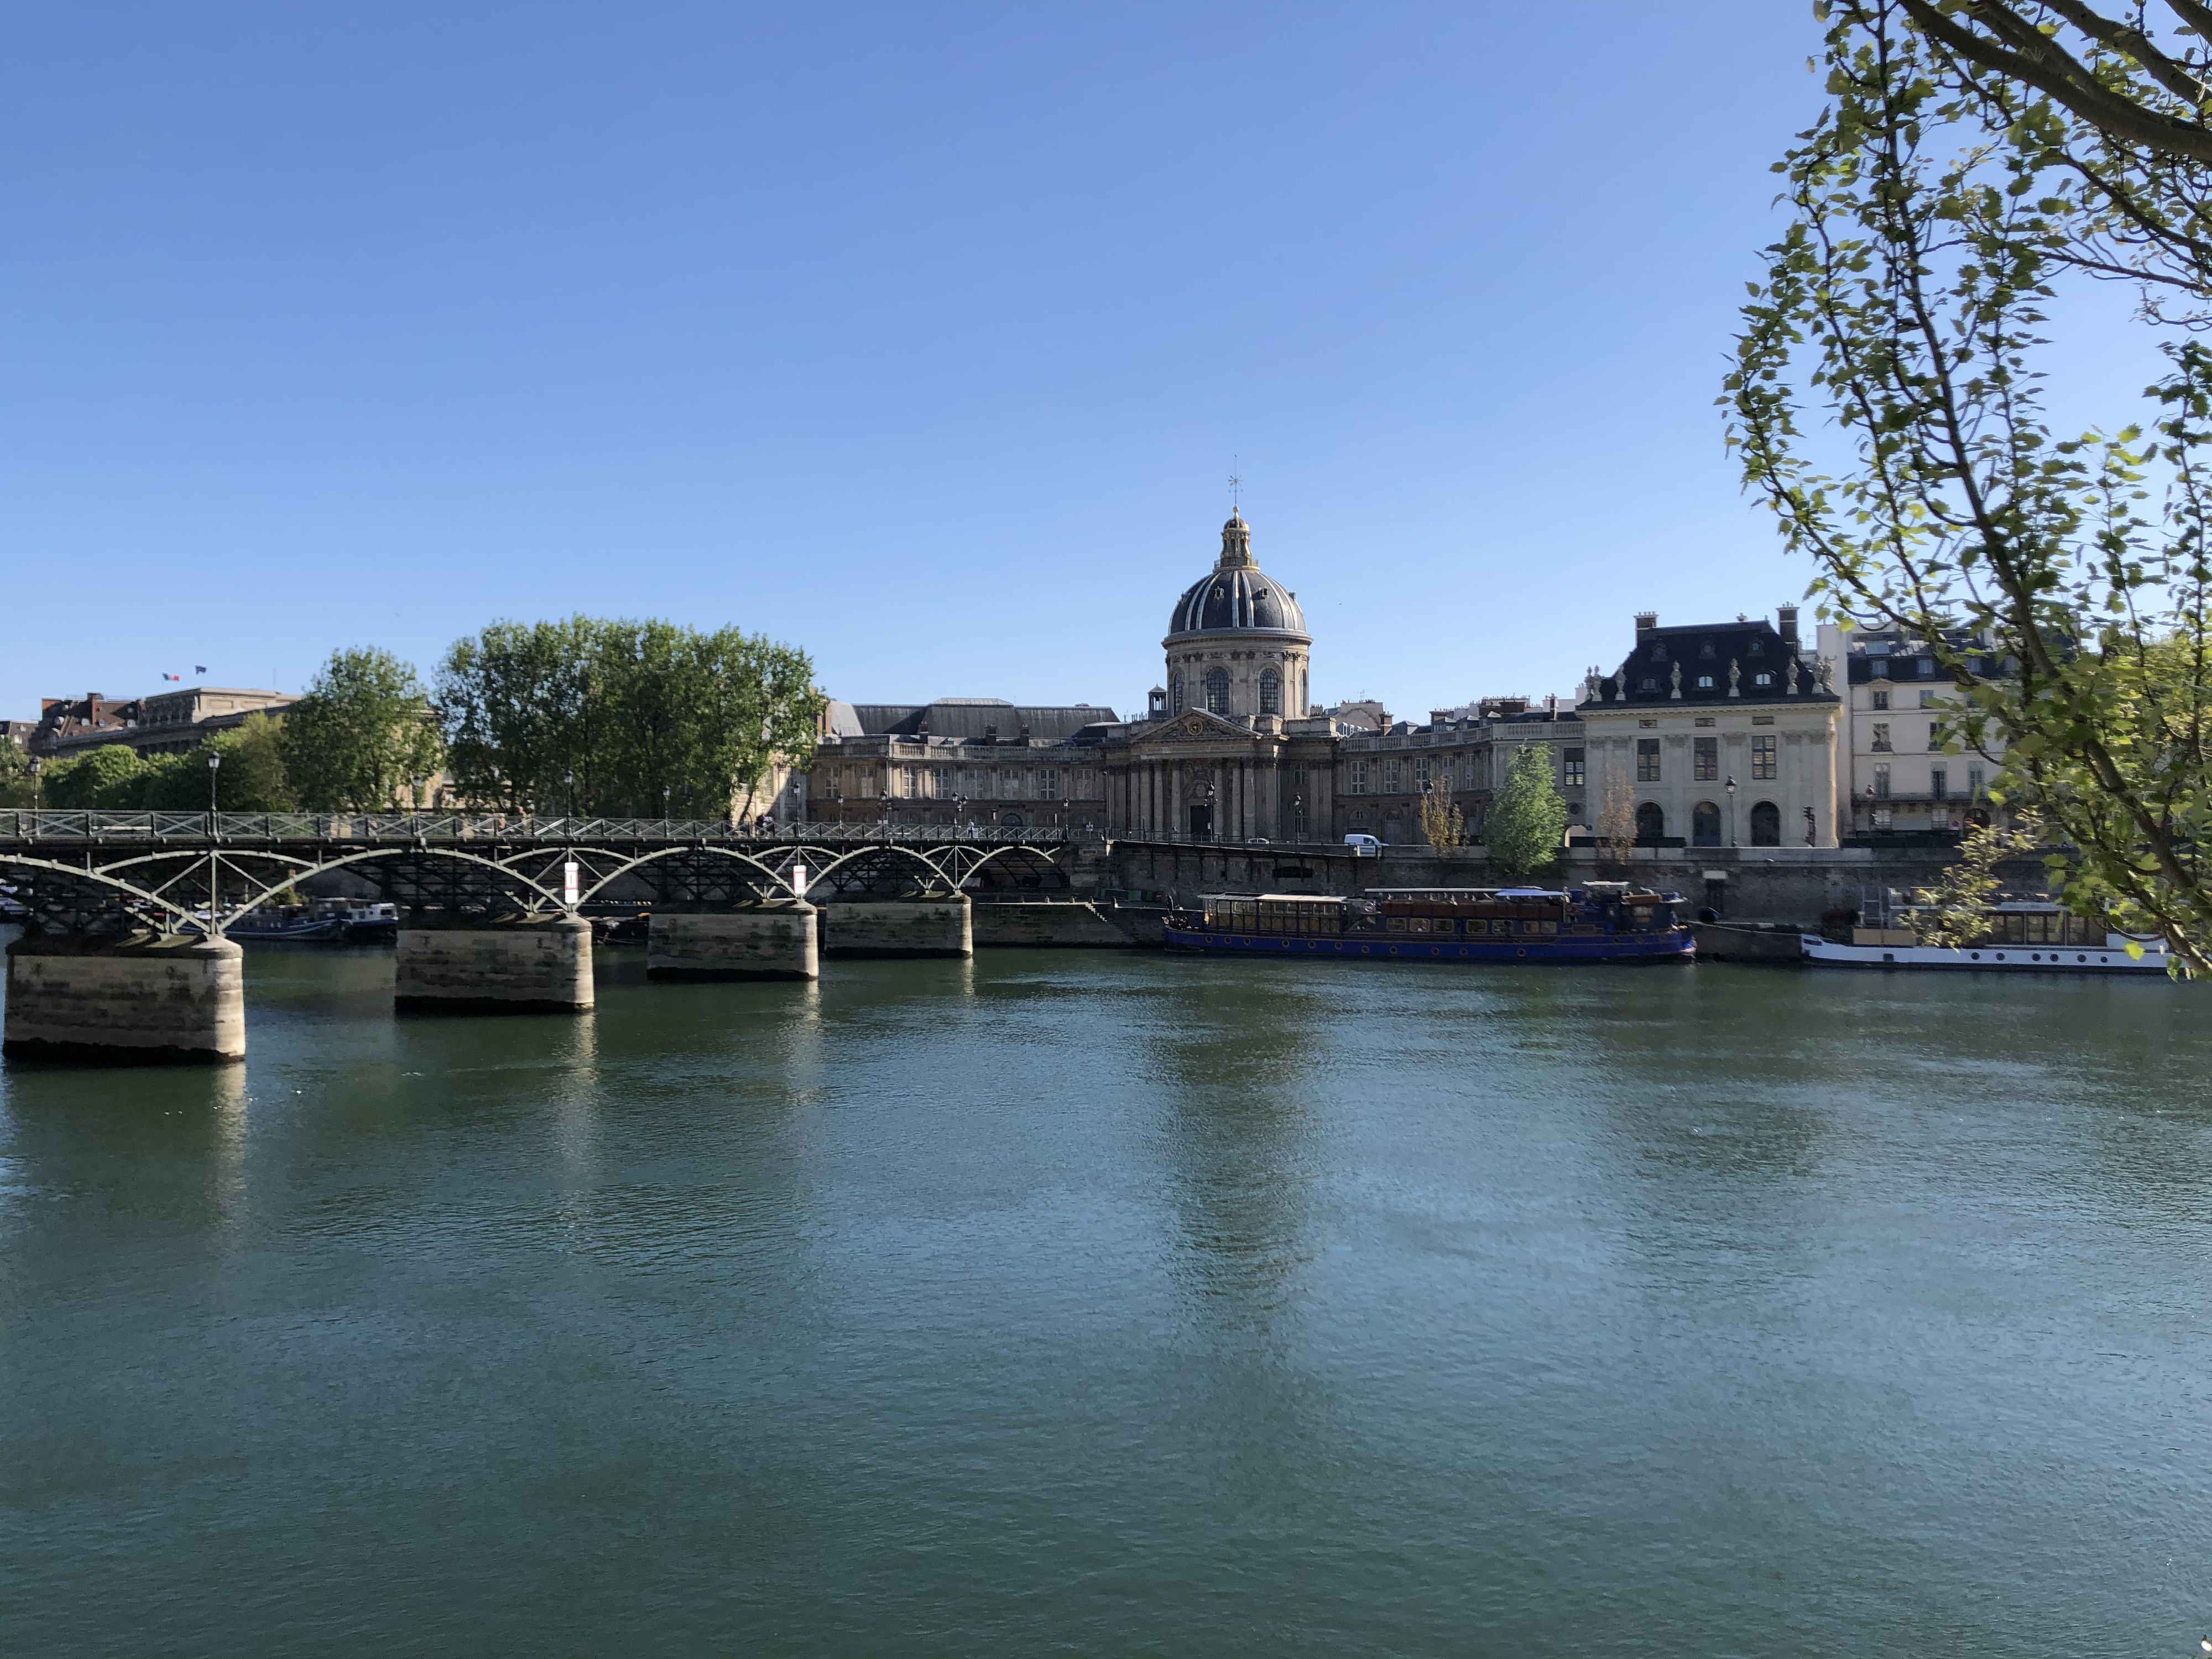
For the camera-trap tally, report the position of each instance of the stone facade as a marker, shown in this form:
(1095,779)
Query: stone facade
(1718,735)
(166,723)
(1892,775)
(1230,749)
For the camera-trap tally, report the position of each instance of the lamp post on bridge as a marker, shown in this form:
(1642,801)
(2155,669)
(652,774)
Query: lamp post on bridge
(214,766)
(36,763)
(1731,795)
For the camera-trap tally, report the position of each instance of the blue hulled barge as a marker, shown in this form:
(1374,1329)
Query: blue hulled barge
(1604,922)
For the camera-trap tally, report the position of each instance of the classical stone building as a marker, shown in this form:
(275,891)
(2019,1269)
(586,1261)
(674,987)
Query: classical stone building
(1718,735)
(1893,778)
(165,723)
(1232,748)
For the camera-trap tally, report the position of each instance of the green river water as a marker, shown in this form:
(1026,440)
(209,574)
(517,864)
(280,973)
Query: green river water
(1104,1303)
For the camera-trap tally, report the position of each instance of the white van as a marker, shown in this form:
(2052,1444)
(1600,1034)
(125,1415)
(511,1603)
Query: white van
(1364,847)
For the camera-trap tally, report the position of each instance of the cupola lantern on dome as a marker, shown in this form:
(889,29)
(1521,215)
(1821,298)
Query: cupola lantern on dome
(1236,543)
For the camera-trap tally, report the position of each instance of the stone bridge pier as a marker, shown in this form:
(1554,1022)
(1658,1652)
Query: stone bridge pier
(942,927)
(167,999)
(775,941)
(529,966)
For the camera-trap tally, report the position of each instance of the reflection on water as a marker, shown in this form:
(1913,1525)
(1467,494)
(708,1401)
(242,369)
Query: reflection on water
(1113,1303)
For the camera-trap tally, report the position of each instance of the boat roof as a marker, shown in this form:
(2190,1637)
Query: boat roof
(1273,898)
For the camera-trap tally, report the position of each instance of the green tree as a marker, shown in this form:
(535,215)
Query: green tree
(252,778)
(2062,580)
(639,713)
(111,778)
(14,776)
(360,736)
(1528,820)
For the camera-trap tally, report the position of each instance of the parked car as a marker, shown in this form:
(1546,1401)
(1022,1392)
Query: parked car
(1364,847)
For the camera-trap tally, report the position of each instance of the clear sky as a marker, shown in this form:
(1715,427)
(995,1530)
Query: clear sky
(925,336)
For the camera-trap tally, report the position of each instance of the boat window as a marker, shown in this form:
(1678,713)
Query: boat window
(1397,924)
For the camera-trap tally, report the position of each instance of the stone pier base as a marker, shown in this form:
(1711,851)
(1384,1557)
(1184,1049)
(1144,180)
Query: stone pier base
(536,967)
(898,927)
(767,944)
(165,1000)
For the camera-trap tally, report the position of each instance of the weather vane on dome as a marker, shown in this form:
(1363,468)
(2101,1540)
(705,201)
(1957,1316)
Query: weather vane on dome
(1236,490)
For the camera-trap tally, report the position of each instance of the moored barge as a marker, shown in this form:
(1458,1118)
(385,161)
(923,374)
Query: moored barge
(1604,922)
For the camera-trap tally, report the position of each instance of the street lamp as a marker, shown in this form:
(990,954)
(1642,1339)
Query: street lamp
(215,765)
(1731,792)
(568,796)
(36,763)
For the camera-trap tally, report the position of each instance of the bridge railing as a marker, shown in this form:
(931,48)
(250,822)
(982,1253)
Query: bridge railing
(22,825)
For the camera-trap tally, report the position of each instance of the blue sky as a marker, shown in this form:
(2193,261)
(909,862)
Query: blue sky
(923,337)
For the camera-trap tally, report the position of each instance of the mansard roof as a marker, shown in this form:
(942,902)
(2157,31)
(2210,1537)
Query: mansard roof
(972,720)
(1666,659)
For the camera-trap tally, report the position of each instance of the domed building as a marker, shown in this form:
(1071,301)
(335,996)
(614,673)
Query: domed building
(1236,644)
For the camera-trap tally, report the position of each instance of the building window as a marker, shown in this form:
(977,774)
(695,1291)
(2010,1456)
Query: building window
(1881,738)
(1010,785)
(1973,783)
(1762,759)
(1650,823)
(1217,691)
(1762,679)
(1705,824)
(1880,700)
(1939,782)
(1707,766)
(1705,682)
(1927,700)
(910,780)
(940,782)
(1766,824)
(1358,785)
(1703,720)
(1928,668)
(1271,692)
(1647,760)
(1047,783)
(1575,768)
(1176,683)
(1394,777)
(1934,736)
(1649,682)
(1881,781)
(1424,775)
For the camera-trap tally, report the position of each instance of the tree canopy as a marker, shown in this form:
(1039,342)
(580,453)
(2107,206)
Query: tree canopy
(1888,403)
(1527,823)
(362,736)
(639,714)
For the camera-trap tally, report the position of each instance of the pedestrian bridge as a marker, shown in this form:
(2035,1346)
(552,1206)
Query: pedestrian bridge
(127,913)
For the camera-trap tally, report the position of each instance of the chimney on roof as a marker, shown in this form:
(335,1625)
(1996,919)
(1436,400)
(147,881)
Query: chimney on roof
(1785,620)
(1646,621)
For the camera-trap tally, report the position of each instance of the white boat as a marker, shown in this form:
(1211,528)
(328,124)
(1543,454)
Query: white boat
(2024,936)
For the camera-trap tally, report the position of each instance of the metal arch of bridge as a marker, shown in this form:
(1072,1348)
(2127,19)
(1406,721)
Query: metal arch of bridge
(197,862)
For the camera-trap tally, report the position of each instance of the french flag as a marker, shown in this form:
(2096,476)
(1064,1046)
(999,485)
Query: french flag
(172,677)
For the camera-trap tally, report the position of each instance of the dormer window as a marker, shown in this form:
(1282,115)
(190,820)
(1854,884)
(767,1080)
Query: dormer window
(1659,652)
(1649,682)
(1757,647)
(1762,679)
(1705,682)
(1705,651)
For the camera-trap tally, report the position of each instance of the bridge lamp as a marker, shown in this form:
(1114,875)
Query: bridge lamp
(1731,795)
(215,765)
(664,791)
(568,801)
(36,763)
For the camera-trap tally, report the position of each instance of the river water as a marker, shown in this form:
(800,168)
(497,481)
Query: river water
(1111,1304)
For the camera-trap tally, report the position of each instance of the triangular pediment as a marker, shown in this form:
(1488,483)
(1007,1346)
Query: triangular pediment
(1194,726)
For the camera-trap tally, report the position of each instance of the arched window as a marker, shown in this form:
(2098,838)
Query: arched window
(1177,683)
(1766,825)
(1217,691)
(1650,823)
(1705,824)
(1271,692)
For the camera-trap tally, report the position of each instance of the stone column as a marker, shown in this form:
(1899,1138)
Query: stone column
(169,999)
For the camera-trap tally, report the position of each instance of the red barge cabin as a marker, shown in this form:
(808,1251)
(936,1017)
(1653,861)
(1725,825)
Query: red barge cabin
(1605,921)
